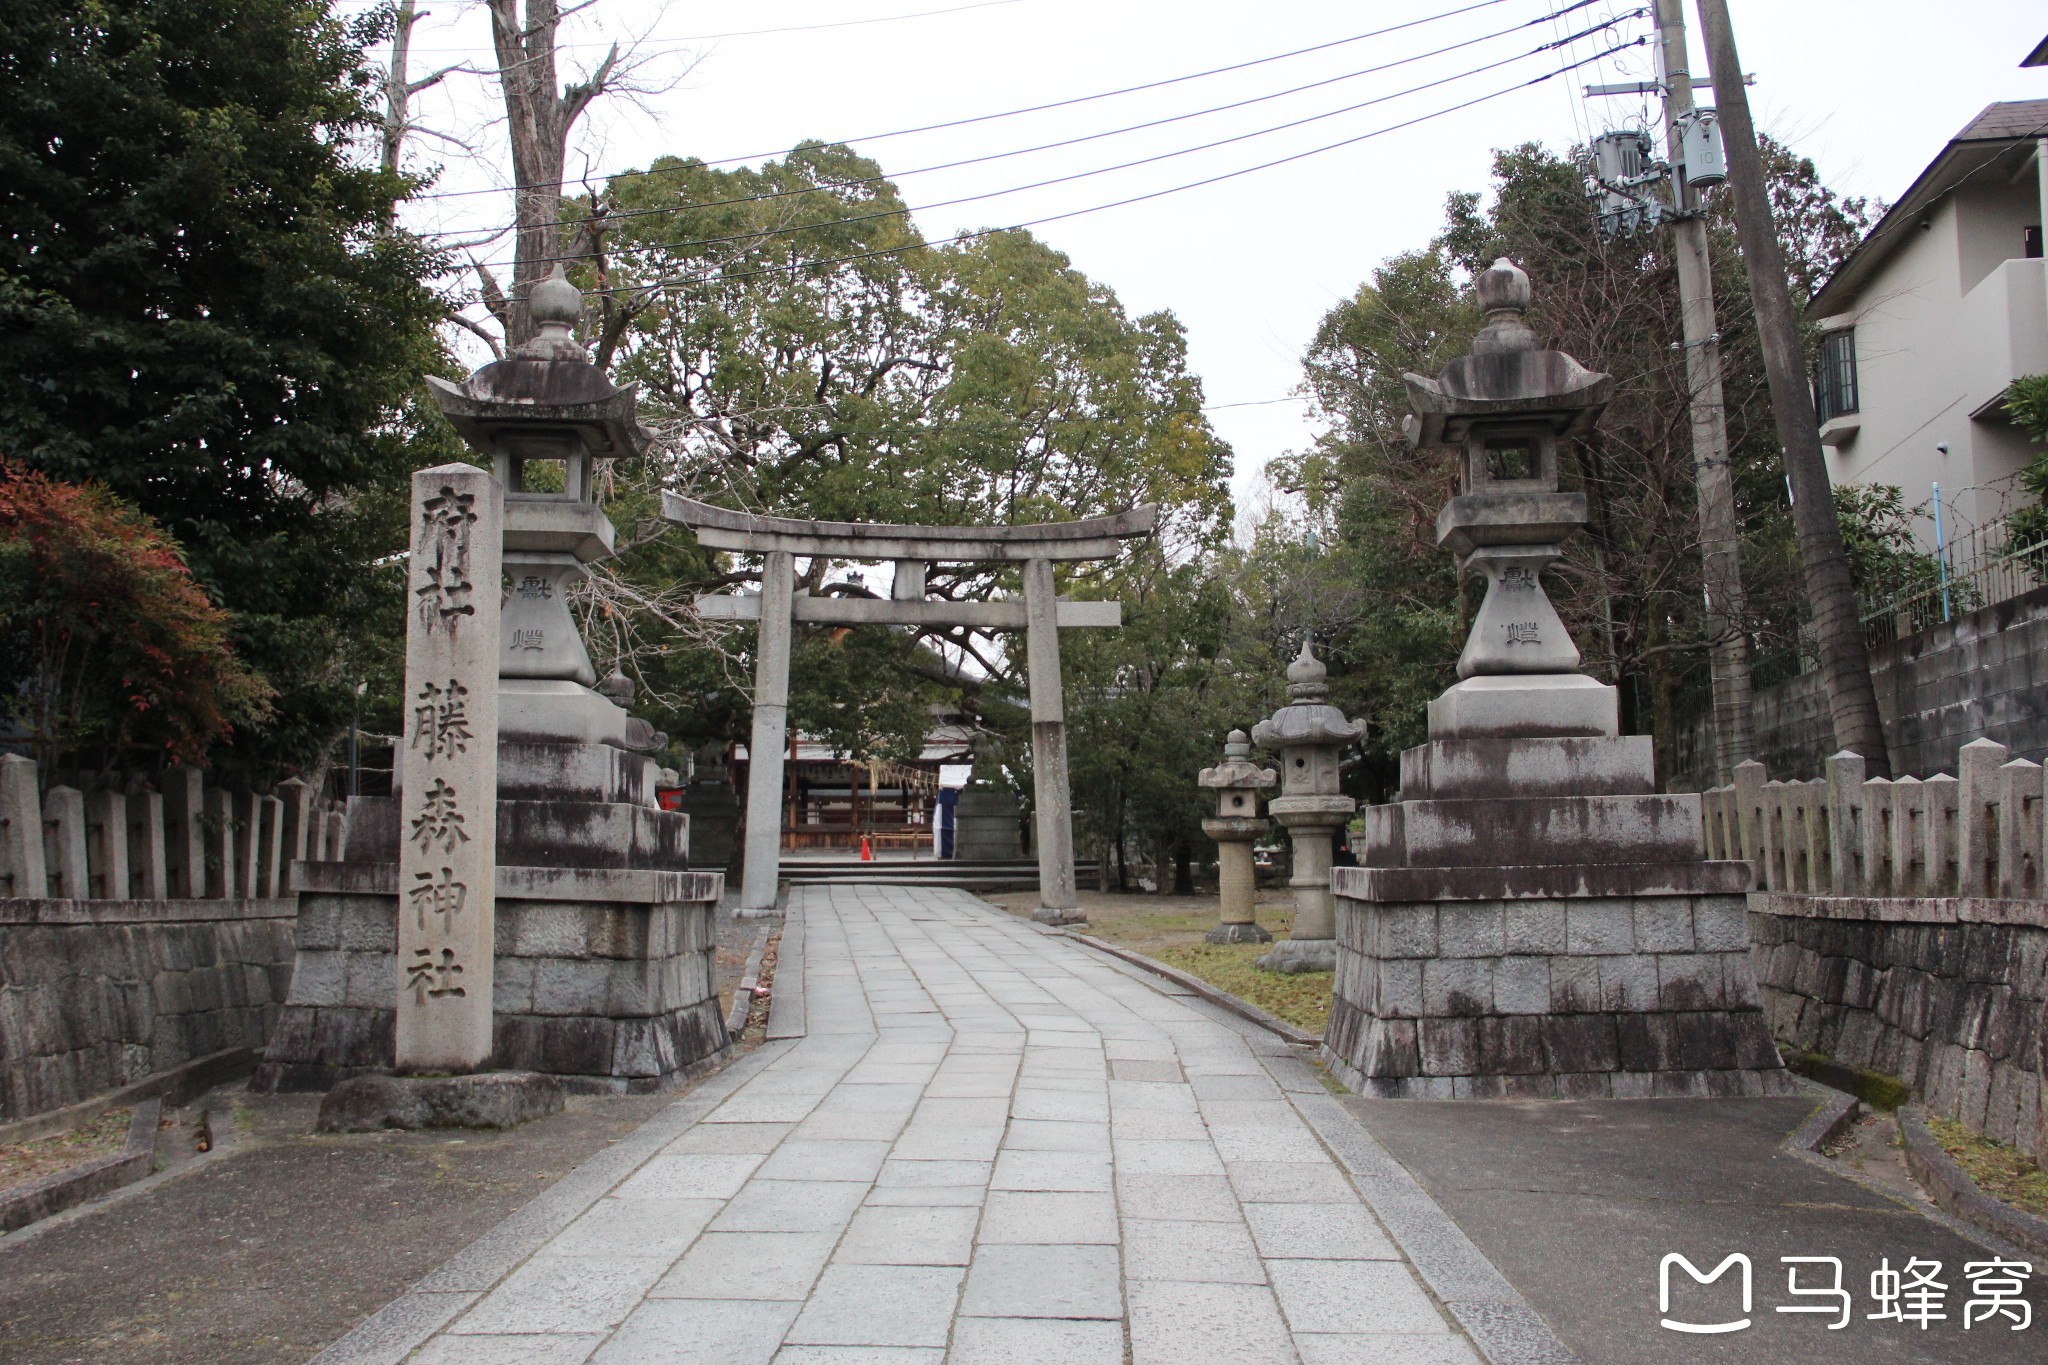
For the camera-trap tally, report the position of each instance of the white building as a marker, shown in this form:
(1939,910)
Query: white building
(1943,305)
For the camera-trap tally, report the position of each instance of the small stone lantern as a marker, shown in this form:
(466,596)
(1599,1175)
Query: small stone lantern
(546,416)
(1308,733)
(1237,782)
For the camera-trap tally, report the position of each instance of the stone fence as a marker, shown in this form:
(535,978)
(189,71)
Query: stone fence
(141,929)
(1977,833)
(178,840)
(1899,926)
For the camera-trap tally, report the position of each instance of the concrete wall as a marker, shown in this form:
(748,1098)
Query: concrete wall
(99,994)
(1982,676)
(1946,994)
(1952,317)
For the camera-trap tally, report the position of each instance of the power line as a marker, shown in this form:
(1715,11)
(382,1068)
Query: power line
(1065,103)
(763,234)
(1088,137)
(956,238)
(762,32)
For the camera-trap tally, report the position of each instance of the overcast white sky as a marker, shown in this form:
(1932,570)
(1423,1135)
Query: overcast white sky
(1871,89)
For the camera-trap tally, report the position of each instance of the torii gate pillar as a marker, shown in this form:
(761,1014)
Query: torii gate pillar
(1057,903)
(760,872)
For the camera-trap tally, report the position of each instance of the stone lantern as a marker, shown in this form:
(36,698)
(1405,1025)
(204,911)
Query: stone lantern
(1309,734)
(1237,782)
(546,417)
(1504,408)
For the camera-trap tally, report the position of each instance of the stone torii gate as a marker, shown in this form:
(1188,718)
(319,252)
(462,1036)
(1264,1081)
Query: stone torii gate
(780,541)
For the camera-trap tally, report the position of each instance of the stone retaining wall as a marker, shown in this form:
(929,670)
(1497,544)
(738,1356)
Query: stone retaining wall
(1983,675)
(97,994)
(1945,993)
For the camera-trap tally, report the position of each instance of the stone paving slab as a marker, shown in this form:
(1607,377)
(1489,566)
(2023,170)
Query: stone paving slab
(977,1141)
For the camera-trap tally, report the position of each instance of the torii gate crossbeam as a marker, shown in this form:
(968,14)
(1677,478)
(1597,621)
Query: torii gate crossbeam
(781,540)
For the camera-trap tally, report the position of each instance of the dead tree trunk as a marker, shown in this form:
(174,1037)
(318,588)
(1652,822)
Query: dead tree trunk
(398,92)
(539,114)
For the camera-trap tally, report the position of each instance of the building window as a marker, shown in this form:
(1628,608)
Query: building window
(1834,388)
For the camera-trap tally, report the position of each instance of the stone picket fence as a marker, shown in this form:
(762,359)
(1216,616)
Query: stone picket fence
(144,932)
(1900,926)
(182,840)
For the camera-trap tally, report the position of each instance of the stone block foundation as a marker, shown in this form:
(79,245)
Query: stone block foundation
(1509,938)
(1627,997)
(1946,993)
(603,981)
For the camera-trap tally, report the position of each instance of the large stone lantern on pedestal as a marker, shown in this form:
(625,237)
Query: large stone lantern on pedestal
(1237,782)
(1533,917)
(1309,734)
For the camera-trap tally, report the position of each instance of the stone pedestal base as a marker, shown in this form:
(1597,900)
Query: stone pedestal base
(490,1099)
(1568,996)
(603,977)
(1295,955)
(1536,920)
(987,825)
(1228,932)
(1061,915)
(1521,705)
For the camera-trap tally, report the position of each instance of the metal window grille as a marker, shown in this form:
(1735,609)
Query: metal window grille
(1834,387)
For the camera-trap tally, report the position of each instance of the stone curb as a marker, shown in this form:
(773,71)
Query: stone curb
(175,1086)
(1494,1316)
(1244,1009)
(1836,1112)
(786,1012)
(37,1200)
(750,979)
(394,1331)
(1953,1190)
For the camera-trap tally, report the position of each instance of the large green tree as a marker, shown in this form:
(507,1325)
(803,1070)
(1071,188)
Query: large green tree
(198,310)
(804,353)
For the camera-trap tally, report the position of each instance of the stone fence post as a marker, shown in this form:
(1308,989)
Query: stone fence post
(106,845)
(21,828)
(64,842)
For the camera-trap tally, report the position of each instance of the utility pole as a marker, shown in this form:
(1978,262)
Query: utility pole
(1720,544)
(1624,169)
(1845,662)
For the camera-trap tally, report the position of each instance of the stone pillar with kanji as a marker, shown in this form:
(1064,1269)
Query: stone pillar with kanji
(447,855)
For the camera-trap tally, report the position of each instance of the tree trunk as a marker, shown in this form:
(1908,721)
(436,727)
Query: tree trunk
(538,116)
(1845,663)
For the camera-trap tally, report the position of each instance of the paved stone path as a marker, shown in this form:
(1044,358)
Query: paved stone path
(988,1144)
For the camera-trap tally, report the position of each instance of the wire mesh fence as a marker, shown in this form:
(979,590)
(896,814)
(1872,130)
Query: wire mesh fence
(1980,567)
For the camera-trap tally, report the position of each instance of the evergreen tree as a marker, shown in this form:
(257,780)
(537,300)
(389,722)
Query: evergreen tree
(199,311)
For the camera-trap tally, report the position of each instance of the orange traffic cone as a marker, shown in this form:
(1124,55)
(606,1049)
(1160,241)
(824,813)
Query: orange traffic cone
(867,855)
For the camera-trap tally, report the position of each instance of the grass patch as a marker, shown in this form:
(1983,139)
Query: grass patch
(2000,1171)
(1874,1088)
(23,1162)
(1303,999)
(1170,929)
